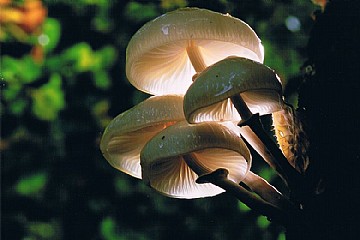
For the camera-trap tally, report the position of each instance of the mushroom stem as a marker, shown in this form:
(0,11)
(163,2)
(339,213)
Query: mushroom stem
(281,164)
(219,178)
(253,140)
(241,107)
(195,56)
(267,192)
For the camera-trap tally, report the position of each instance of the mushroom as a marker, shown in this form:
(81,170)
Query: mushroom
(208,98)
(237,89)
(173,159)
(126,134)
(165,53)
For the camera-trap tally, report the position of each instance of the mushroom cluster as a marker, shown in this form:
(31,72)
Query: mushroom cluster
(206,74)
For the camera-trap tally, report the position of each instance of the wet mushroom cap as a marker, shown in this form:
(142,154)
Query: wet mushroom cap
(157,56)
(208,98)
(127,133)
(210,145)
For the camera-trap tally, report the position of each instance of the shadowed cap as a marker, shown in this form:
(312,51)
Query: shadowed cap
(207,99)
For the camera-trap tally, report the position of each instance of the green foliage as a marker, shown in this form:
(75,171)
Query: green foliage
(109,229)
(23,70)
(173,4)
(31,185)
(122,186)
(18,106)
(140,12)
(82,59)
(262,222)
(81,56)
(287,62)
(50,37)
(100,113)
(242,207)
(43,230)
(281,236)
(48,100)
(268,174)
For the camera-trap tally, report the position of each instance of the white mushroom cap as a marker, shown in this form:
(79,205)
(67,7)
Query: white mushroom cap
(209,145)
(208,98)
(158,55)
(126,134)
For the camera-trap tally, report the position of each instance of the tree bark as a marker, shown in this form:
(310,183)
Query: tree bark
(329,107)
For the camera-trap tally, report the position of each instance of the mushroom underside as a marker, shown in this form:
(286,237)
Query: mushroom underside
(173,177)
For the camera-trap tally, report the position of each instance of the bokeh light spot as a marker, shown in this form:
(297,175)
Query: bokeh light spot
(292,23)
(43,39)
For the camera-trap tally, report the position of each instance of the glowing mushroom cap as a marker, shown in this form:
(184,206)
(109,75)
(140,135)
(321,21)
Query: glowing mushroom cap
(207,99)
(157,60)
(126,134)
(209,145)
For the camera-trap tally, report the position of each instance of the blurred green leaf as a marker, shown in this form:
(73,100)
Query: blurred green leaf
(106,56)
(100,111)
(122,185)
(243,207)
(24,70)
(285,63)
(81,55)
(11,90)
(29,70)
(267,173)
(102,80)
(82,58)
(9,68)
(108,229)
(281,236)
(262,222)
(55,64)
(140,12)
(49,99)
(43,230)
(32,184)
(18,106)
(173,4)
(50,37)
(101,3)
(102,21)
(102,24)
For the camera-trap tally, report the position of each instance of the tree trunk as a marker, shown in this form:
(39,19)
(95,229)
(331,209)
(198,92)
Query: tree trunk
(329,108)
